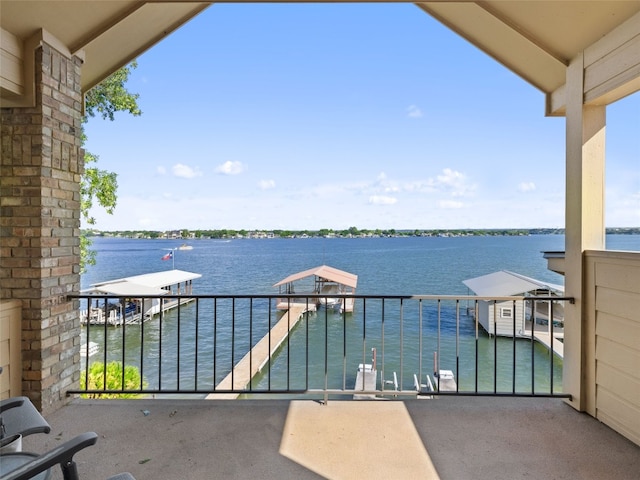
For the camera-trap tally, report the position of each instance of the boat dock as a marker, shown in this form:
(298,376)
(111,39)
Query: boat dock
(257,358)
(446,381)
(545,339)
(323,280)
(144,294)
(366,380)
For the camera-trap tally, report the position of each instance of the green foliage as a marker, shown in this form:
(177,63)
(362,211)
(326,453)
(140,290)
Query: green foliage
(111,96)
(132,380)
(97,185)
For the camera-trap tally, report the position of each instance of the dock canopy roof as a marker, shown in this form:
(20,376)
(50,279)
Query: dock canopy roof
(325,272)
(505,283)
(146,284)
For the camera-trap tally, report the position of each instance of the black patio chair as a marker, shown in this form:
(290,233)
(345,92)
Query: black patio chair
(61,455)
(19,416)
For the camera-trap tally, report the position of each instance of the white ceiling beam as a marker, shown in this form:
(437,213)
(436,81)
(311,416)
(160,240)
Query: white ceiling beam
(611,69)
(612,65)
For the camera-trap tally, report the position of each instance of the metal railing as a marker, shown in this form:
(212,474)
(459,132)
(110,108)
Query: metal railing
(247,345)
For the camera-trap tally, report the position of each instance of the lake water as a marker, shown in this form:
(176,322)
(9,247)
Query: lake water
(385,266)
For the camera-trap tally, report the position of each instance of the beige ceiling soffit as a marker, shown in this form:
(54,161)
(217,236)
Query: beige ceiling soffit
(473,23)
(106,26)
(523,33)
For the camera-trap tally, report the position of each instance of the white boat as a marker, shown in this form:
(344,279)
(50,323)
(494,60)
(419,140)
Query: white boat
(330,289)
(184,246)
(129,307)
(92,350)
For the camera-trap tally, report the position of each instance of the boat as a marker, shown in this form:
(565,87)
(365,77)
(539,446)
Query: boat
(184,246)
(139,297)
(323,280)
(90,351)
(329,289)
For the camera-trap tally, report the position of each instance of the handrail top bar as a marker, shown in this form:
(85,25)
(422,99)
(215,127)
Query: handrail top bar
(316,296)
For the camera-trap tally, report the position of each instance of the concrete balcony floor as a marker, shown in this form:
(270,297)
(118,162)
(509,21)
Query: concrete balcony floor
(447,438)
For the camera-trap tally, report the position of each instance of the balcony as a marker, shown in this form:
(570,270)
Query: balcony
(305,424)
(506,417)
(448,437)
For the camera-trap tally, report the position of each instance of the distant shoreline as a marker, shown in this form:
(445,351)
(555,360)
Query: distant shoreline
(353,232)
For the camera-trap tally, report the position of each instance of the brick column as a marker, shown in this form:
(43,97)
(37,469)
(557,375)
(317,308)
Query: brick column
(40,169)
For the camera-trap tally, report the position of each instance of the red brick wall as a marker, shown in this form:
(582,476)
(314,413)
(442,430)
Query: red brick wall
(40,169)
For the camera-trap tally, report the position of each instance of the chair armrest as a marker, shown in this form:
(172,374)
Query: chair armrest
(20,416)
(12,402)
(61,455)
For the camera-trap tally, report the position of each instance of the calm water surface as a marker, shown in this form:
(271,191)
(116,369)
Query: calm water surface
(385,266)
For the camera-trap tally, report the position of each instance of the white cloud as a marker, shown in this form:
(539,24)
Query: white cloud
(421,186)
(450,204)
(454,181)
(185,171)
(382,200)
(161,170)
(267,184)
(450,177)
(527,187)
(414,112)
(231,168)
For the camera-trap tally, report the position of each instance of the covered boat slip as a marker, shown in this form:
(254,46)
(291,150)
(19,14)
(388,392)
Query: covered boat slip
(526,318)
(327,284)
(136,291)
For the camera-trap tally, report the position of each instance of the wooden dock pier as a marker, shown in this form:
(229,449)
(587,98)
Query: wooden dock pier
(259,355)
(366,380)
(545,339)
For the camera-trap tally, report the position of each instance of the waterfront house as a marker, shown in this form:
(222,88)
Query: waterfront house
(583,55)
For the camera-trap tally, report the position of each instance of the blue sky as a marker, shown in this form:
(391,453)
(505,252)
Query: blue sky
(309,116)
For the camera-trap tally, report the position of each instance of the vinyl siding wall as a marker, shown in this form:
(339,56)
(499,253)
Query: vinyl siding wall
(612,334)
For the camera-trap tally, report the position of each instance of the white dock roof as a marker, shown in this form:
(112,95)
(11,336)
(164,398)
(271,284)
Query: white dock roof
(146,284)
(505,283)
(326,272)
(128,289)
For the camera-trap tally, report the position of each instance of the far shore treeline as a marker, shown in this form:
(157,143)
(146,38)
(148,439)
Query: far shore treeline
(351,232)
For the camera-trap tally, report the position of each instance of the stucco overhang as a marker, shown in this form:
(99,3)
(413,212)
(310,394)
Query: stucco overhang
(536,39)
